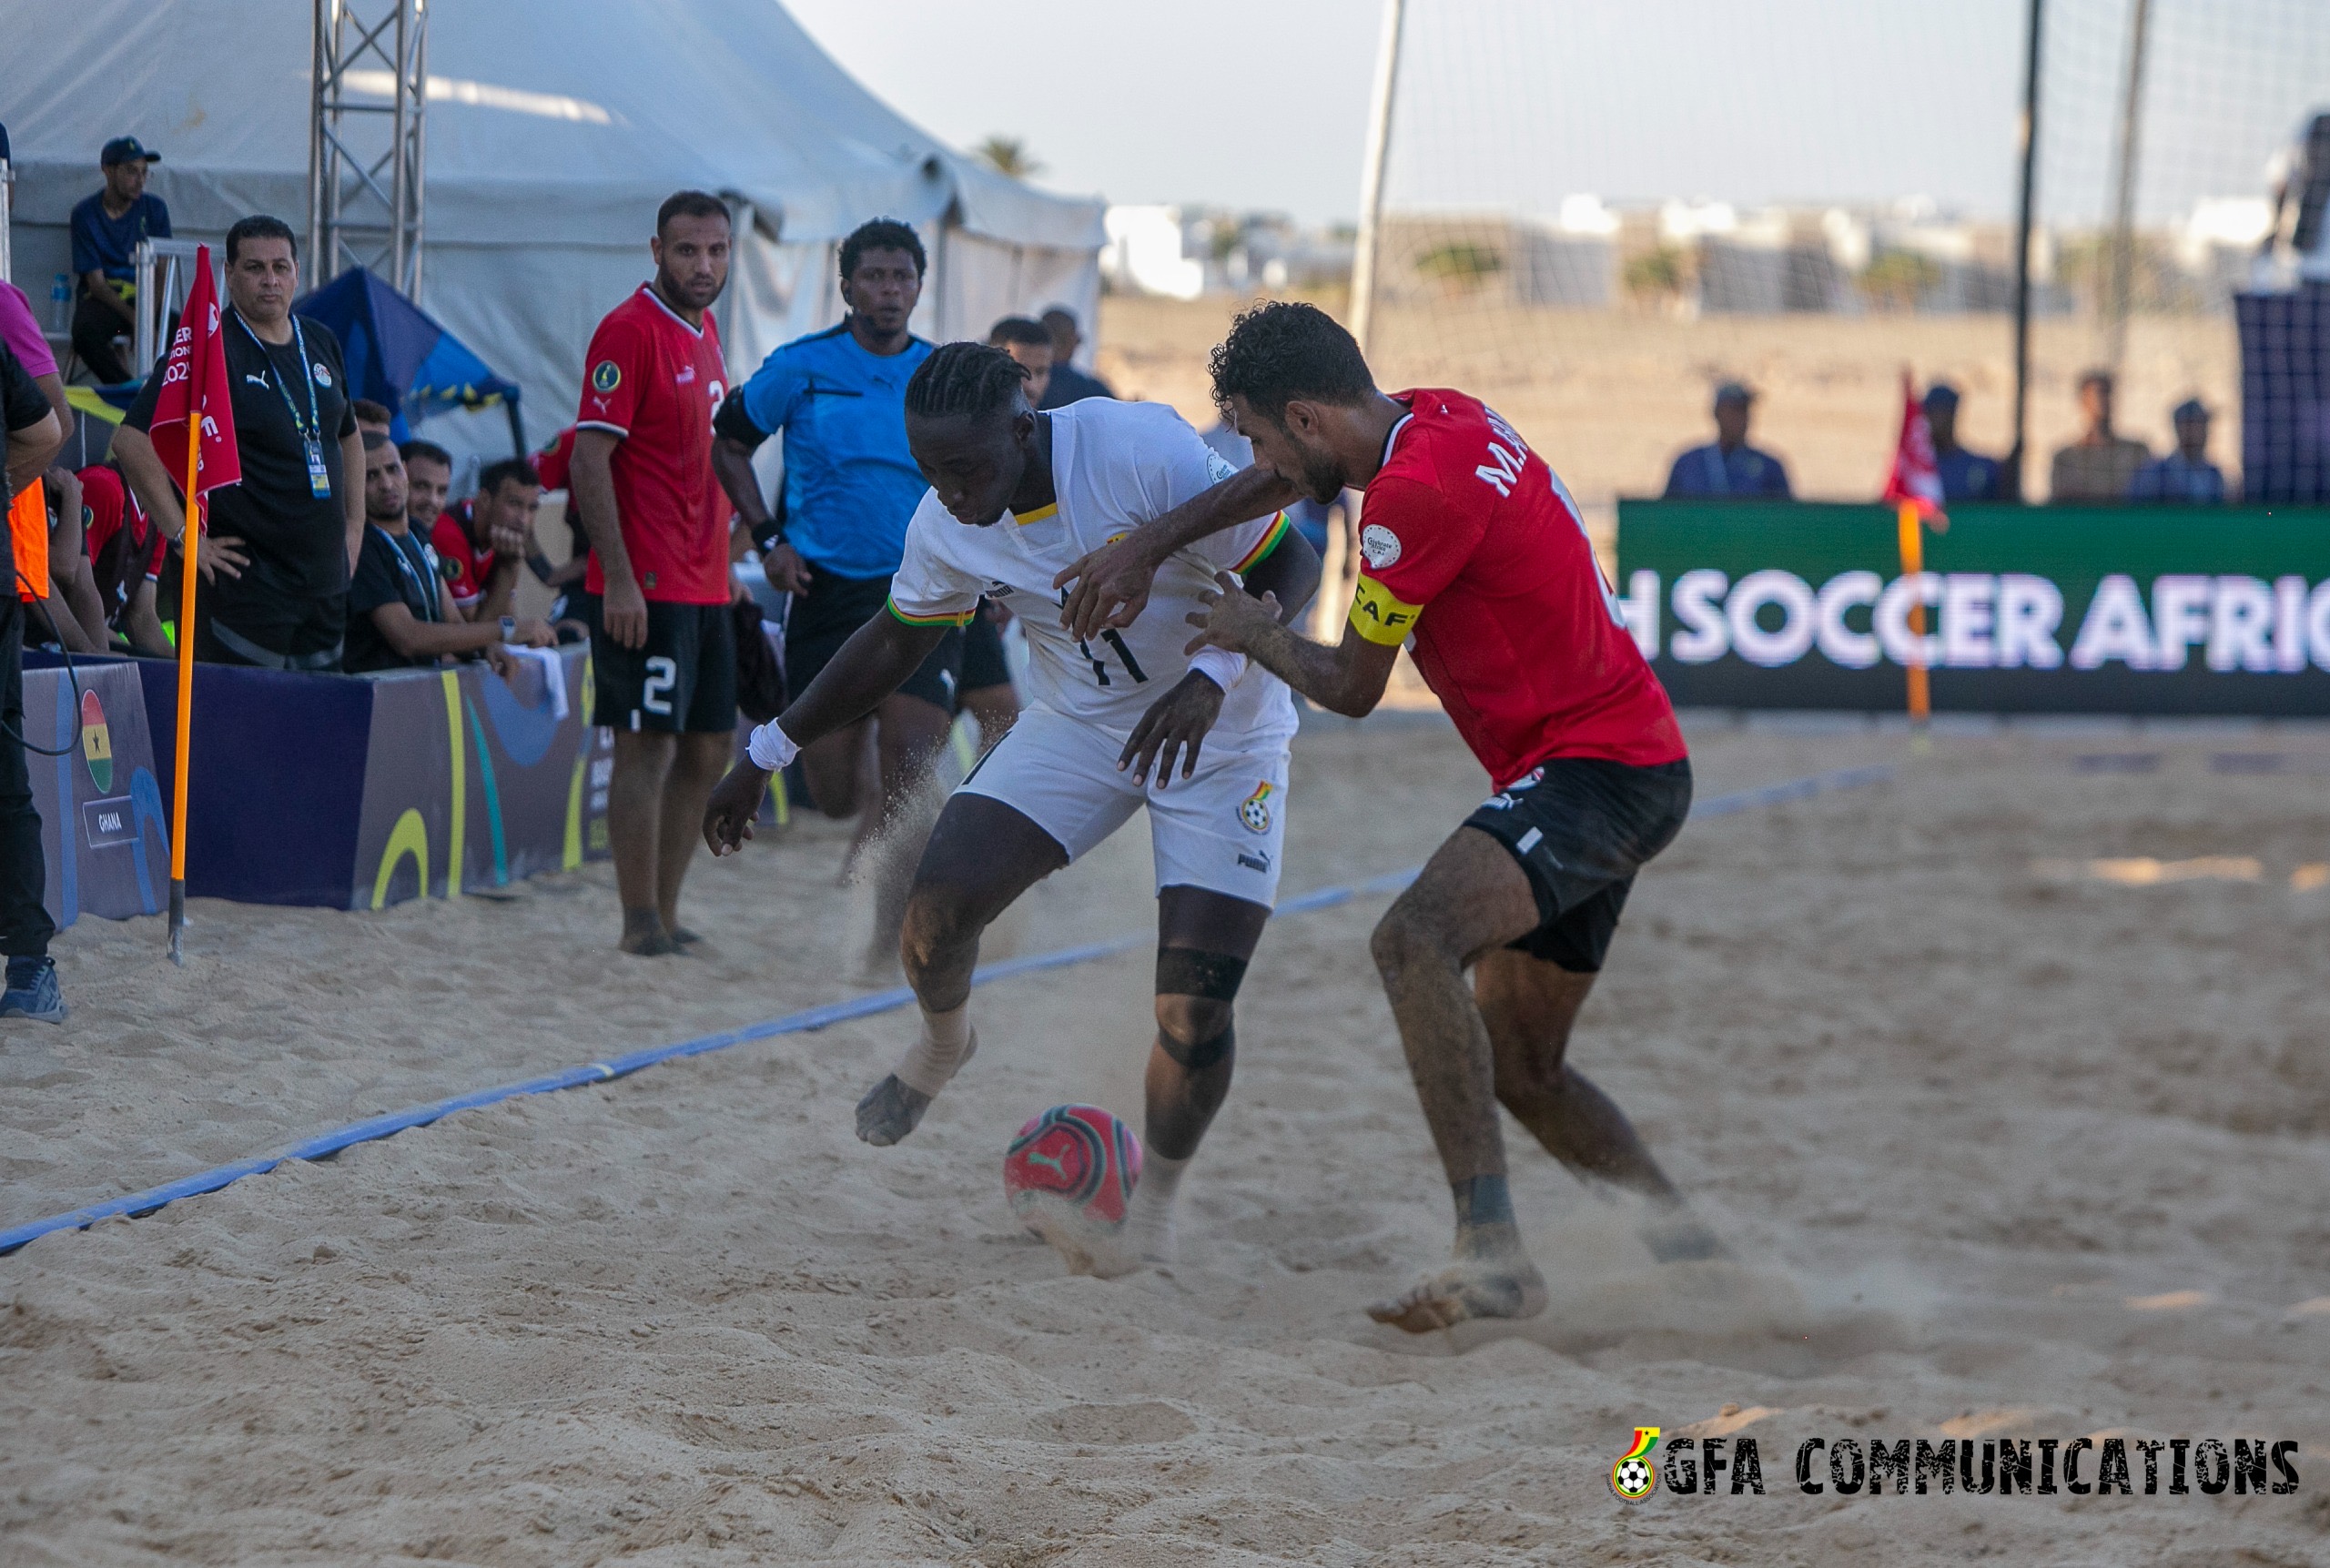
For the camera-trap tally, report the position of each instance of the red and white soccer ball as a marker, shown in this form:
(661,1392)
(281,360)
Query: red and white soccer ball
(1070,1172)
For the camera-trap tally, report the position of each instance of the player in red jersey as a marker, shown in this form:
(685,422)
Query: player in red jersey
(657,590)
(1474,554)
(481,543)
(125,552)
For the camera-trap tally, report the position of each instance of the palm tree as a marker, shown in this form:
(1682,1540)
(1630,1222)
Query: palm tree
(1009,156)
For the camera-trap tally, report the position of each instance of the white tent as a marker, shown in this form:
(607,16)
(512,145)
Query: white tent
(554,128)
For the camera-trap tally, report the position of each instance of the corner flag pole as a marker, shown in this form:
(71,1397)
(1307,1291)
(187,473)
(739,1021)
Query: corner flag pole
(186,682)
(1913,561)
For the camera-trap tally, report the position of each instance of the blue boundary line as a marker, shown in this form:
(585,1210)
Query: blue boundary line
(326,1144)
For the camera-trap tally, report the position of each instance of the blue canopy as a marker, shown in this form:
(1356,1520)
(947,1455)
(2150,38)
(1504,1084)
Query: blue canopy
(400,358)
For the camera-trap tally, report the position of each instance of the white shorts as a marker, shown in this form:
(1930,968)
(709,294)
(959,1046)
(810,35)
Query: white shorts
(1223,830)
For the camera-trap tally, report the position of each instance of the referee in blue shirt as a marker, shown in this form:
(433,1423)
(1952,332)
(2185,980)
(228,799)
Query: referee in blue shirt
(850,488)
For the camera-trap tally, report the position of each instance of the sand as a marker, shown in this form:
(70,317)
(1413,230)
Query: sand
(2006,1146)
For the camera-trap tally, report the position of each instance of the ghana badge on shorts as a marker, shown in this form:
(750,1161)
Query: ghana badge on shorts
(1254,811)
(1634,1477)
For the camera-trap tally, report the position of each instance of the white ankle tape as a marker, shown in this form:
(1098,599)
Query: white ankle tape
(941,1046)
(1161,1178)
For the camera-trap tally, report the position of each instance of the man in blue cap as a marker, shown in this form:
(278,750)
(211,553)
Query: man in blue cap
(1965,476)
(2185,477)
(107,229)
(1729,466)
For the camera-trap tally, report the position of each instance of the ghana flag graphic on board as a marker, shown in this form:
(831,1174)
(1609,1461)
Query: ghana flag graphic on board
(97,742)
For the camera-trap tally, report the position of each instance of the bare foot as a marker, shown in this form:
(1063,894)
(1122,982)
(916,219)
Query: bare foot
(644,935)
(682,936)
(889,1111)
(1501,1287)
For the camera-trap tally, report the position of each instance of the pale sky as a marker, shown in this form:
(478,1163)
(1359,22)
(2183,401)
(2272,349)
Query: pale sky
(1263,104)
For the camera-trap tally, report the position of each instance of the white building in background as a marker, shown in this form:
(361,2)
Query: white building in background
(1144,253)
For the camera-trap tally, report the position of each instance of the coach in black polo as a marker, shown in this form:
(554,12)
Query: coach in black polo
(281,544)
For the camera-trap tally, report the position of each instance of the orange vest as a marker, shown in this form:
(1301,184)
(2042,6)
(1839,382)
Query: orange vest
(28,535)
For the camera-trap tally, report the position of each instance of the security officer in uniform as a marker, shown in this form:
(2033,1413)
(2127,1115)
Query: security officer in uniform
(1965,476)
(1729,466)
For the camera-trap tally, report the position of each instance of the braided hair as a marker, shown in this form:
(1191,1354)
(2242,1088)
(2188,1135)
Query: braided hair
(965,379)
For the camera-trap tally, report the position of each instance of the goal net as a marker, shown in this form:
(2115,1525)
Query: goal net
(1594,215)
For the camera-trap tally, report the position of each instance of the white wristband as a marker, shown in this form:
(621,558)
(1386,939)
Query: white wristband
(1219,665)
(771,748)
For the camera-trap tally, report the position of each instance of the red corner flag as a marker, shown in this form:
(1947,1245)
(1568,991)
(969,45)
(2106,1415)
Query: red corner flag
(195,408)
(194,386)
(1915,480)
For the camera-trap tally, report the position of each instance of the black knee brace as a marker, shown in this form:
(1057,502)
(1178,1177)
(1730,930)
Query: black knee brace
(1209,976)
(1205,1053)
(1186,972)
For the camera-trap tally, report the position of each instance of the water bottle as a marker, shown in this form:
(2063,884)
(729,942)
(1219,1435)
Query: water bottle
(60,303)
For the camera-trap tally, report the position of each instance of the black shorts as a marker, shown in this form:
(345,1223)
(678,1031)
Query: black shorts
(830,614)
(984,664)
(682,681)
(1581,828)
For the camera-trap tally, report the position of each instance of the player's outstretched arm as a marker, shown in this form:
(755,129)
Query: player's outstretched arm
(1179,721)
(874,662)
(1348,678)
(1112,581)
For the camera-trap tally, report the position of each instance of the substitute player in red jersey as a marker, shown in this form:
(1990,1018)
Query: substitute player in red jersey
(657,590)
(1474,554)
(125,554)
(481,543)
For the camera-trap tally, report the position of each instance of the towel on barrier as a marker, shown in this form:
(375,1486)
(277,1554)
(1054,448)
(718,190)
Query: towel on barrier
(541,665)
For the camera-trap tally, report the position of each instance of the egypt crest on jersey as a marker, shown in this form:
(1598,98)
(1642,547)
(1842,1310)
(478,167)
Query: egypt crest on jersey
(1114,467)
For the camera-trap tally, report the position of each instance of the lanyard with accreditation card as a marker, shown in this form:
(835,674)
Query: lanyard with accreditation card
(311,428)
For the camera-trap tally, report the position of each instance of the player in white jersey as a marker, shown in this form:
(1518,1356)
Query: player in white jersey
(1016,497)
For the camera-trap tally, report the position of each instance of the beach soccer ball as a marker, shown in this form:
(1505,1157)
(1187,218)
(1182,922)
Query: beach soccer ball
(1073,1161)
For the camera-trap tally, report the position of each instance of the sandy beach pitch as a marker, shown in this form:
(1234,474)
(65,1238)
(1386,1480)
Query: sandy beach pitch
(2008,1147)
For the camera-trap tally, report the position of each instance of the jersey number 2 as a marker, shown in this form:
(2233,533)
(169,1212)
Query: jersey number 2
(663,674)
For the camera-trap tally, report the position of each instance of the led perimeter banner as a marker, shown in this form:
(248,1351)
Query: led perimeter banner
(2065,609)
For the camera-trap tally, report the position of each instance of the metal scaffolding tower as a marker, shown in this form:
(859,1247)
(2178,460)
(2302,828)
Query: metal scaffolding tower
(365,141)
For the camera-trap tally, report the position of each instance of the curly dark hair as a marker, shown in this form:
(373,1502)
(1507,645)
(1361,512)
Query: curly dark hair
(969,379)
(1285,349)
(882,234)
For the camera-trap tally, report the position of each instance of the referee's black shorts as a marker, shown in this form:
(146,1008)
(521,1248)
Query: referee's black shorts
(830,614)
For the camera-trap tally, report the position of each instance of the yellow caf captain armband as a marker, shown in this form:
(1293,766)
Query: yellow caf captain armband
(1380,617)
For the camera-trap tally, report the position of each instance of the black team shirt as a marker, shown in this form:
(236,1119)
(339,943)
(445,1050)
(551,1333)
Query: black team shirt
(297,540)
(389,569)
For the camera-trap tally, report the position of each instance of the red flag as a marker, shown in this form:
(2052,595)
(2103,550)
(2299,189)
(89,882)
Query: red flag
(1916,478)
(195,385)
